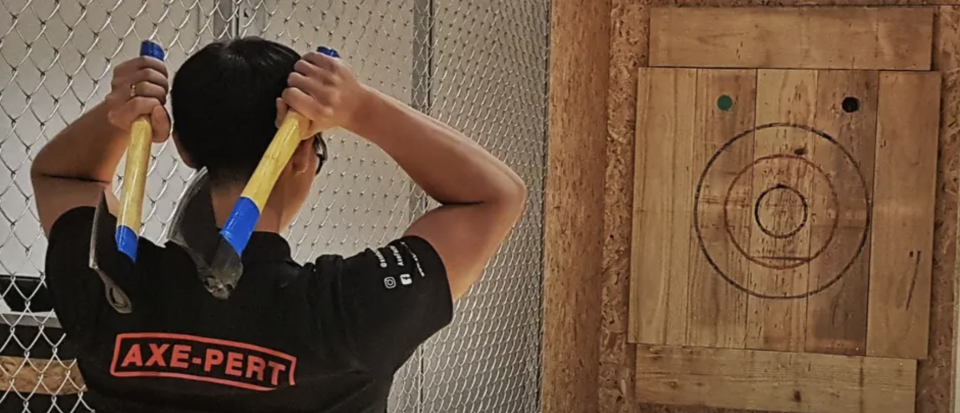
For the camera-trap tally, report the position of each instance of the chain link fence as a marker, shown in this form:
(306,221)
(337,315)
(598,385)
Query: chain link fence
(480,66)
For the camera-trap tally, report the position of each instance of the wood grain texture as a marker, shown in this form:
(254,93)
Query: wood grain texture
(780,186)
(718,310)
(663,206)
(779,381)
(41,376)
(836,317)
(782,213)
(904,196)
(630,30)
(806,38)
(579,67)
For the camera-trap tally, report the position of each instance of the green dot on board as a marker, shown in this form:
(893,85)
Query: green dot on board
(725,102)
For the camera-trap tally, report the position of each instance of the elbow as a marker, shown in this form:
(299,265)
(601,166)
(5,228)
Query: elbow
(40,171)
(41,165)
(520,192)
(37,170)
(514,195)
(36,167)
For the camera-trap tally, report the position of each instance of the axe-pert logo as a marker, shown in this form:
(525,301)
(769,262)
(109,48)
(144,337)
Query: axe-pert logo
(202,359)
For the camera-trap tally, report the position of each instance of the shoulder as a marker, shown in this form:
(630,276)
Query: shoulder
(75,227)
(407,265)
(73,223)
(74,249)
(387,300)
(407,254)
(74,279)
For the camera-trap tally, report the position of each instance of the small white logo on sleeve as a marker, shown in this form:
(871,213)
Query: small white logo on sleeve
(405,279)
(383,261)
(416,260)
(390,283)
(396,254)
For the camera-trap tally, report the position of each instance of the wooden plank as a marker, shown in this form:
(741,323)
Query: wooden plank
(847,112)
(774,381)
(663,205)
(803,38)
(902,241)
(41,376)
(780,240)
(718,309)
(579,69)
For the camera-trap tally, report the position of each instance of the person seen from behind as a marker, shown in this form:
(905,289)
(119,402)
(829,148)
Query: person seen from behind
(323,337)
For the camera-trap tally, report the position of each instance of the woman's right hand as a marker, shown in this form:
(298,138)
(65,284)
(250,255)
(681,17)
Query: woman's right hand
(139,88)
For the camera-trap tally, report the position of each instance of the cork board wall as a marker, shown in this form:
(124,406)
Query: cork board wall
(629,47)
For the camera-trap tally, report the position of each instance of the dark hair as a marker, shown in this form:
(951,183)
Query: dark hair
(224,104)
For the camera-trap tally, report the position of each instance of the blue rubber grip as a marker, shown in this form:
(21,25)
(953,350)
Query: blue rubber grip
(328,51)
(127,241)
(243,219)
(148,48)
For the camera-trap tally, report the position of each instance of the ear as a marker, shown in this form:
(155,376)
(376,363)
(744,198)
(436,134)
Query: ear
(183,155)
(302,158)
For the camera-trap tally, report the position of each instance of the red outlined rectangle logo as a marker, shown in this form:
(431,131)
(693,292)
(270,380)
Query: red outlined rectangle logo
(195,358)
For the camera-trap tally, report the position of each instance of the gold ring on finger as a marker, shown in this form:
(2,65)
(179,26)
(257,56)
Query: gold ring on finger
(133,90)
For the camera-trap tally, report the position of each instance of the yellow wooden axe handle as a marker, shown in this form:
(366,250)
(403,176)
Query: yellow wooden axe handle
(246,212)
(135,174)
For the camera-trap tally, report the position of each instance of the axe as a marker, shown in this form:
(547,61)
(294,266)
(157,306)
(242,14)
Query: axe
(126,226)
(217,255)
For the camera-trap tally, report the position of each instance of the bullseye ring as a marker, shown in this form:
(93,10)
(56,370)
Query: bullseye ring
(764,203)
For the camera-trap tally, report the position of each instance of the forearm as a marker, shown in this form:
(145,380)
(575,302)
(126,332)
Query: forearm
(88,149)
(449,167)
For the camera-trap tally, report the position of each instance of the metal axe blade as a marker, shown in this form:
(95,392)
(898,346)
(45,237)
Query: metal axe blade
(103,249)
(194,228)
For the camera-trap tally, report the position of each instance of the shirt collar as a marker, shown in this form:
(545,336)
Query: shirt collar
(195,215)
(267,247)
(263,247)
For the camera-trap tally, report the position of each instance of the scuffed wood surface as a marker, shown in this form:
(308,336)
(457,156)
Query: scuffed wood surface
(628,52)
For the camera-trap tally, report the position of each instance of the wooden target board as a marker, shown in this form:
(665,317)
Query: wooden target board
(783,224)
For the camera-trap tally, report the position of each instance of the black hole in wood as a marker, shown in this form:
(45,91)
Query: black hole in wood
(850,104)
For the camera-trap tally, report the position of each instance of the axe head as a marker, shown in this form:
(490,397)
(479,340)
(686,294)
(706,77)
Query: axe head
(194,228)
(103,254)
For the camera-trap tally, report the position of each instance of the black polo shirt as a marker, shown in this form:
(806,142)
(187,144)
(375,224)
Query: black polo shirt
(323,337)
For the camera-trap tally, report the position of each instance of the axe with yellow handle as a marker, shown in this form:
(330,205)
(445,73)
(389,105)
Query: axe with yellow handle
(125,228)
(130,215)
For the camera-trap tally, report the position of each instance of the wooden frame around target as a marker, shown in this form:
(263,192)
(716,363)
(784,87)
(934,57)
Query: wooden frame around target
(783,217)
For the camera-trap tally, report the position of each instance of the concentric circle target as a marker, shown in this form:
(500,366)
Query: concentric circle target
(766,206)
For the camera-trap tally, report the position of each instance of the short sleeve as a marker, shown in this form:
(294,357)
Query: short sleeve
(389,300)
(77,291)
